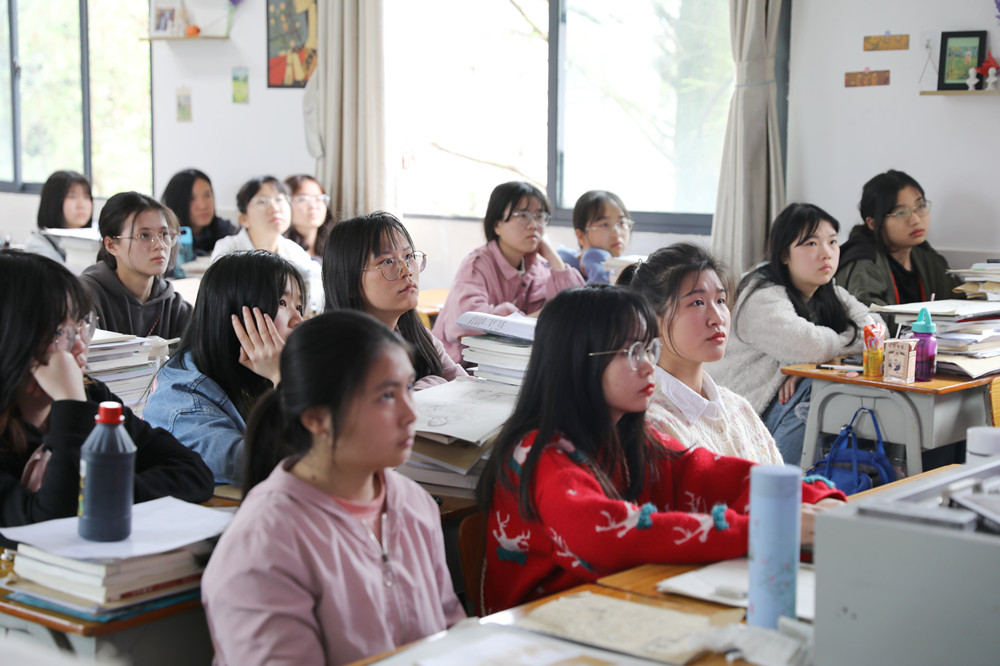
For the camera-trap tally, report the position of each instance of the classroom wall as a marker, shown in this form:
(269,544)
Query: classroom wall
(840,137)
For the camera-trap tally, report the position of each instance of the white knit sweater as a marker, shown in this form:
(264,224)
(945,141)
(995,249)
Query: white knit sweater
(767,334)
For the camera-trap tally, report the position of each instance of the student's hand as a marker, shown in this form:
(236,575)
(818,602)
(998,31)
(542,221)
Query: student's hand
(548,254)
(809,513)
(787,389)
(260,344)
(61,377)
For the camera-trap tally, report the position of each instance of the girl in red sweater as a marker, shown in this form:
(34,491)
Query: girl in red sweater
(577,488)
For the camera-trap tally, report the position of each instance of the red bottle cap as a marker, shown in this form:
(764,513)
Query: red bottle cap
(109,413)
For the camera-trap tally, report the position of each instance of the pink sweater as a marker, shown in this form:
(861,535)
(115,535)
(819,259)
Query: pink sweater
(296,579)
(485,282)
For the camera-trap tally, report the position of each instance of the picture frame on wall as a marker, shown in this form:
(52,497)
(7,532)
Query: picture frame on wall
(163,17)
(291,42)
(960,52)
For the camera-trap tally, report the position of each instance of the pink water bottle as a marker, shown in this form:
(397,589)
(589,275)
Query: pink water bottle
(923,330)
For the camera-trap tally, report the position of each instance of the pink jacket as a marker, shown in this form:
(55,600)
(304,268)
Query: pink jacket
(296,579)
(485,282)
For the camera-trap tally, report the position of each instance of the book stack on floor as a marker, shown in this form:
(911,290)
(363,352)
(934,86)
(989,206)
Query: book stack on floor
(52,571)
(968,333)
(126,363)
(980,281)
(501,355)
(456,424)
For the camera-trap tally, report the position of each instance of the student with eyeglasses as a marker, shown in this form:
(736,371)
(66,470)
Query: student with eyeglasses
(887,258)
(265,215)
(48,405)
(603,228)
(311,215)
(515,271)
(189,194)
(126,284)
(689,291)
(371,265)
(578,487)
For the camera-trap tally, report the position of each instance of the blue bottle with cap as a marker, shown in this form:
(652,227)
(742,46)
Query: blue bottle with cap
(923,330)
(107,473)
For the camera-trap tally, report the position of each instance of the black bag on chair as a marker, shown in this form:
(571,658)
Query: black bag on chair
(852,469)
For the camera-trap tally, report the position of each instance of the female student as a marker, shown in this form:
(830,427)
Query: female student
(189,194)
(333,556)
(126,284)
(265,214)
(602,227)
(248,303)
(66,203)
(887,259)
(577,487)
(47,405)
(311,216)
(687,288)
(506,275)
(790,311)
(370,264)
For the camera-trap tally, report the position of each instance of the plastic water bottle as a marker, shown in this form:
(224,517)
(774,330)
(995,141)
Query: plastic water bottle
(107,473)
(874,352)
(773,554)
(187,246)
(923,330)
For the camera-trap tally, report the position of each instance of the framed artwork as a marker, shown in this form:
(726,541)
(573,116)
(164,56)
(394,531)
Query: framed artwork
(163,17)
(960,52)
(291,42)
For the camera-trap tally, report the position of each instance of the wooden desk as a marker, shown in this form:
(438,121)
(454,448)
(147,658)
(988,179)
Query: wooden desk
(922,415)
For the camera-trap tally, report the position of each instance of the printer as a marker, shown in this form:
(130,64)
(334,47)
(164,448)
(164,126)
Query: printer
(912,575)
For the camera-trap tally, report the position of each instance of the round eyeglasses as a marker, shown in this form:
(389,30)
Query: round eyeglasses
(268,202)
(310,199)
(624,224)
(527,219)
(637,353)
(149,240)
(392,267)
(904,212)
(66,336)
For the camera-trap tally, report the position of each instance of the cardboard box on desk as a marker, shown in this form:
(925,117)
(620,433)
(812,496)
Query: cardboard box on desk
(900,360)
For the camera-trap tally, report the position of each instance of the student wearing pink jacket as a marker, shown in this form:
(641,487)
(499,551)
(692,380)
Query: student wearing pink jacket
(516,271)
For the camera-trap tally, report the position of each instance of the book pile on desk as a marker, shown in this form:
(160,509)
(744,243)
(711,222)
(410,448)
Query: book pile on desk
(456,424)
(502,353)
(982,280)
(127,364)
(160,564)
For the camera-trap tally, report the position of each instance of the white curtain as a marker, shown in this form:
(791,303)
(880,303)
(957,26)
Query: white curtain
(751,182)
(344,107)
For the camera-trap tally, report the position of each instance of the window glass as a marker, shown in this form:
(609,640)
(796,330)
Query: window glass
(6,112)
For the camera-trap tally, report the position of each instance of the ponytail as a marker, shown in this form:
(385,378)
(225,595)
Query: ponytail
(269,439)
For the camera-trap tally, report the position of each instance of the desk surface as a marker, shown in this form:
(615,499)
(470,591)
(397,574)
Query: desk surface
(939,385)
(430,301)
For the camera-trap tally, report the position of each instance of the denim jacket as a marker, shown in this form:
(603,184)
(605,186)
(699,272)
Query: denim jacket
(191,406)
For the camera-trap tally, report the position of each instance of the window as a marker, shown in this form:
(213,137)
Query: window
(635,101)
(80,98)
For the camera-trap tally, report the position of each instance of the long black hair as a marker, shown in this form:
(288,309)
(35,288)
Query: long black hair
(878,199)
(563,393)
(54,191)
(36,296)
(177,196)
(123,208)
(325,361)
(792,227)
(294,184)
(349,247)
(504,199)
(254,279)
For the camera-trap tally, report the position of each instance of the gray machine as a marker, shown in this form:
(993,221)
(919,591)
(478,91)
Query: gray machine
(912,575)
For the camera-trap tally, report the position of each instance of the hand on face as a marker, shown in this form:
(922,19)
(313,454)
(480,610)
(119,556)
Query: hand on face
(260,344)
(60,377)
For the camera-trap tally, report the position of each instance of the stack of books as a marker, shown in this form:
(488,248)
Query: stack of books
(980,281)
(127,364)
(456,425)
(502,353)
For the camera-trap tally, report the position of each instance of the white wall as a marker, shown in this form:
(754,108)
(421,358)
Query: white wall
(840,137)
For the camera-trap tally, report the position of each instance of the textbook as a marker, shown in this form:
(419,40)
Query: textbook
(69,582)
(512,326)
(457,457)
(79,604)
(104,570)
(463,409)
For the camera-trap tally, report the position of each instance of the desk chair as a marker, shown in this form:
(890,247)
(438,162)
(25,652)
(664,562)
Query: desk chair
(993,403)
(472,556)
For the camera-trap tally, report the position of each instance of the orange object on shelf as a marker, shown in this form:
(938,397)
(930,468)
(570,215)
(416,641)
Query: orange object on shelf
(192,31)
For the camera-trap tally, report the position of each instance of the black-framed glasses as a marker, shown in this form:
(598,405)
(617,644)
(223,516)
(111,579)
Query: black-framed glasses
(392,267)
(636,353)
(904,212)
(66,336)
(624,224)
(148,240)
(527,218)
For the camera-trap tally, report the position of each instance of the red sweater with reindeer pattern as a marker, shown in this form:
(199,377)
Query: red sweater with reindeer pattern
(581,534)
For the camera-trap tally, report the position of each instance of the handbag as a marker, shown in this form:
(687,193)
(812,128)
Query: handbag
(852,469)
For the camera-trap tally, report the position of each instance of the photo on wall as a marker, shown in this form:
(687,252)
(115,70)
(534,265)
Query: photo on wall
(291,42)
(960,52)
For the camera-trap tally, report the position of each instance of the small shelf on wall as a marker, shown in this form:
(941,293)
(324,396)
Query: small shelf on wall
(960,92)
(157,38)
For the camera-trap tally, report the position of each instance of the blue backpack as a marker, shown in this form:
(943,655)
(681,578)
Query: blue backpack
(853,469)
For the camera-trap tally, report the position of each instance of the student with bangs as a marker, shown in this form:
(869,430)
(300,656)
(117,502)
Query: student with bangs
(370,264)
(577,487)
(602,226)
(789,310)
(312,218)
(248,303)
(126,284)
(517,270)
(66,202)
(48,404)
